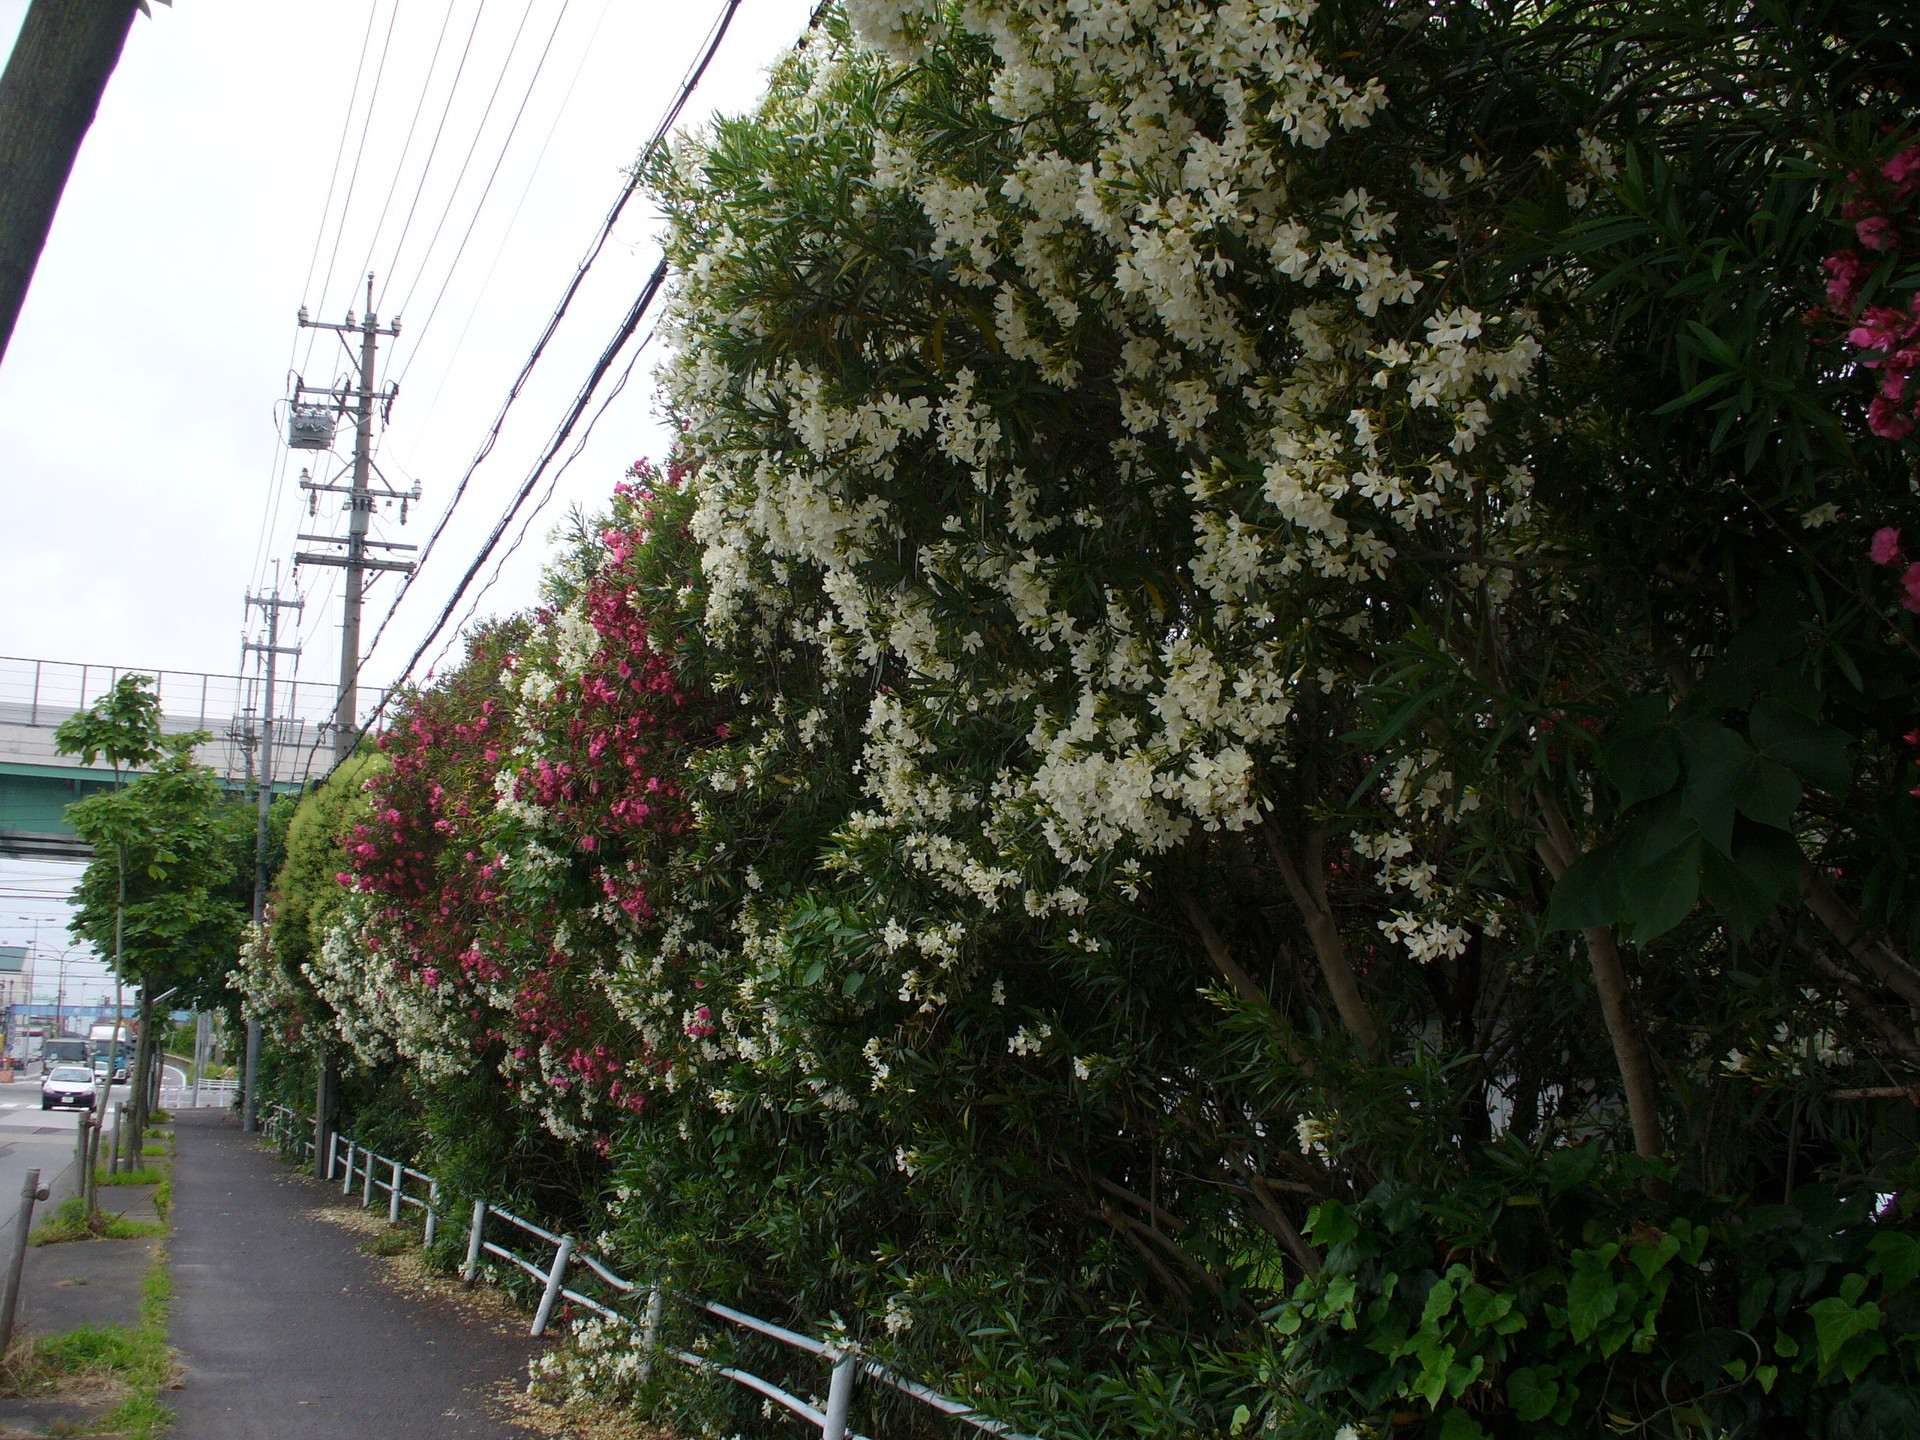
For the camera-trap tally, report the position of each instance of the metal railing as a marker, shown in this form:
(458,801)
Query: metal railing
(294,1134)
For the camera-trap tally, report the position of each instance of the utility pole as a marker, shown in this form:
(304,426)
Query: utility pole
(271,605)
(309,429)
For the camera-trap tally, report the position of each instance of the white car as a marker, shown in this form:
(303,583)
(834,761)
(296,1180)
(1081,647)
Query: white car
(67,1085)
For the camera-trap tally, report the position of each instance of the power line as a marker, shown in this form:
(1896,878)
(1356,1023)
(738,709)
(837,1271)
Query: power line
(485,190)
(553,484)
(359,153)
(621,336)
(466,161)
(506,234)
(627,191)
(426,167)
(406,146)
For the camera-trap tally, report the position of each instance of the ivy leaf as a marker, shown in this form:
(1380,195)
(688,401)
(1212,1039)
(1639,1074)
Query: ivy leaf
(1639,755)
(1746,889)
(1531,1390)
(1588,894)
(1896,1259)
(1717,762)
(1836,1322)
(1592,1294)
(1817,753)
(1658,896)
(1768,793)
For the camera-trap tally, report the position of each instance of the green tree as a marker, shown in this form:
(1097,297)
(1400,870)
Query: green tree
(171,899)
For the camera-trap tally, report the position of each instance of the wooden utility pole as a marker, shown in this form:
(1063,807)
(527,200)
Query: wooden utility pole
(48,96)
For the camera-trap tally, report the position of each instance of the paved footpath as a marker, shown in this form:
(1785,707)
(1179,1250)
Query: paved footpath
(284,1326)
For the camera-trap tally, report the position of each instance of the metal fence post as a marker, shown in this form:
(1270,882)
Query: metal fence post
(367,1157)
(556,1277)
(29,1193)
(393,1205)
(333,1147)
(470,1272)
(433,1217)
(346,1185)
(840,1396)
(650,1330)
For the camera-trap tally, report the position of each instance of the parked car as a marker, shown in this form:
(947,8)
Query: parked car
(67,1086)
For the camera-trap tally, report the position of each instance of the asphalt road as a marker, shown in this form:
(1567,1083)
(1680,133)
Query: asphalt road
(30,1137)
(285,1327)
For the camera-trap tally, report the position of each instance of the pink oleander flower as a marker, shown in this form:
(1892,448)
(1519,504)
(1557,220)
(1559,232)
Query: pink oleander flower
(1880,329)
(1888,420)
(1848,270)
(1877,232)
(1904,169)
(1884,549)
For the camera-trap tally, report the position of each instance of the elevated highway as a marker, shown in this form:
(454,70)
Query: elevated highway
(37,783)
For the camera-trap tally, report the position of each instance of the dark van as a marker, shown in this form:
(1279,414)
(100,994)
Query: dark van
(63,1052)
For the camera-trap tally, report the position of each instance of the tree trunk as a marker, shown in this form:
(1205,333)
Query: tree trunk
(1559,850)
(48,96)
(137,1075)
(1307,884)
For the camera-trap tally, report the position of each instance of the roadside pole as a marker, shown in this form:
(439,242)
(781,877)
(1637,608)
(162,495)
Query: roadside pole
(10,1303)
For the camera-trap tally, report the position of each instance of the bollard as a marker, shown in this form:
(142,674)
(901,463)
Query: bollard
(29,1192)
(367,1157)
(119,1132)
(393,1204)
(650,1330)
(556,1277)
(85,1160)
(470,1272)
(433,1217)
(346,1185)
(839,1397)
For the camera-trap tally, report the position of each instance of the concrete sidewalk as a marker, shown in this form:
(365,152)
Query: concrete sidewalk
(284,1326)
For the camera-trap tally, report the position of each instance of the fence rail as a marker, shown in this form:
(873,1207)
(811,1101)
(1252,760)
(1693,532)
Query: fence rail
(295,1135)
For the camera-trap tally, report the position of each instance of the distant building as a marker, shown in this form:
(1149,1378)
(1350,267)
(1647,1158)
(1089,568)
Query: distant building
(16,975)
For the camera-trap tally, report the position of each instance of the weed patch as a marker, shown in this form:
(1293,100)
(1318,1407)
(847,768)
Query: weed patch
(151,1175)
(387,1243)
(71,1222)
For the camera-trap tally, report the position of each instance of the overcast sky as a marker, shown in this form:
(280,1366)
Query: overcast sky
(142,469)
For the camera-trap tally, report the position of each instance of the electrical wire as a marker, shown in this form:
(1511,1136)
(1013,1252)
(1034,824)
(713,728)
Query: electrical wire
(353,176)
(546,498)
(506,234)
(270,511)
(485,190)
(466,161)
(685,93)
(426,168)
(628,326)
(406,145)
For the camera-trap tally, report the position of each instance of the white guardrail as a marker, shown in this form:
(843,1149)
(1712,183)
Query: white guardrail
(293,1132)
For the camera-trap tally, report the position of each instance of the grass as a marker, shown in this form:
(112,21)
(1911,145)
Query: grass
(151,1175)
(137,1359)
(141,1416)
(387,1243)
(71,1222)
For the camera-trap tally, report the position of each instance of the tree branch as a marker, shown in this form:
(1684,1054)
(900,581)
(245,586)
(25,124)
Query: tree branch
(1309,892)
(1887,964)
(1559,850)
